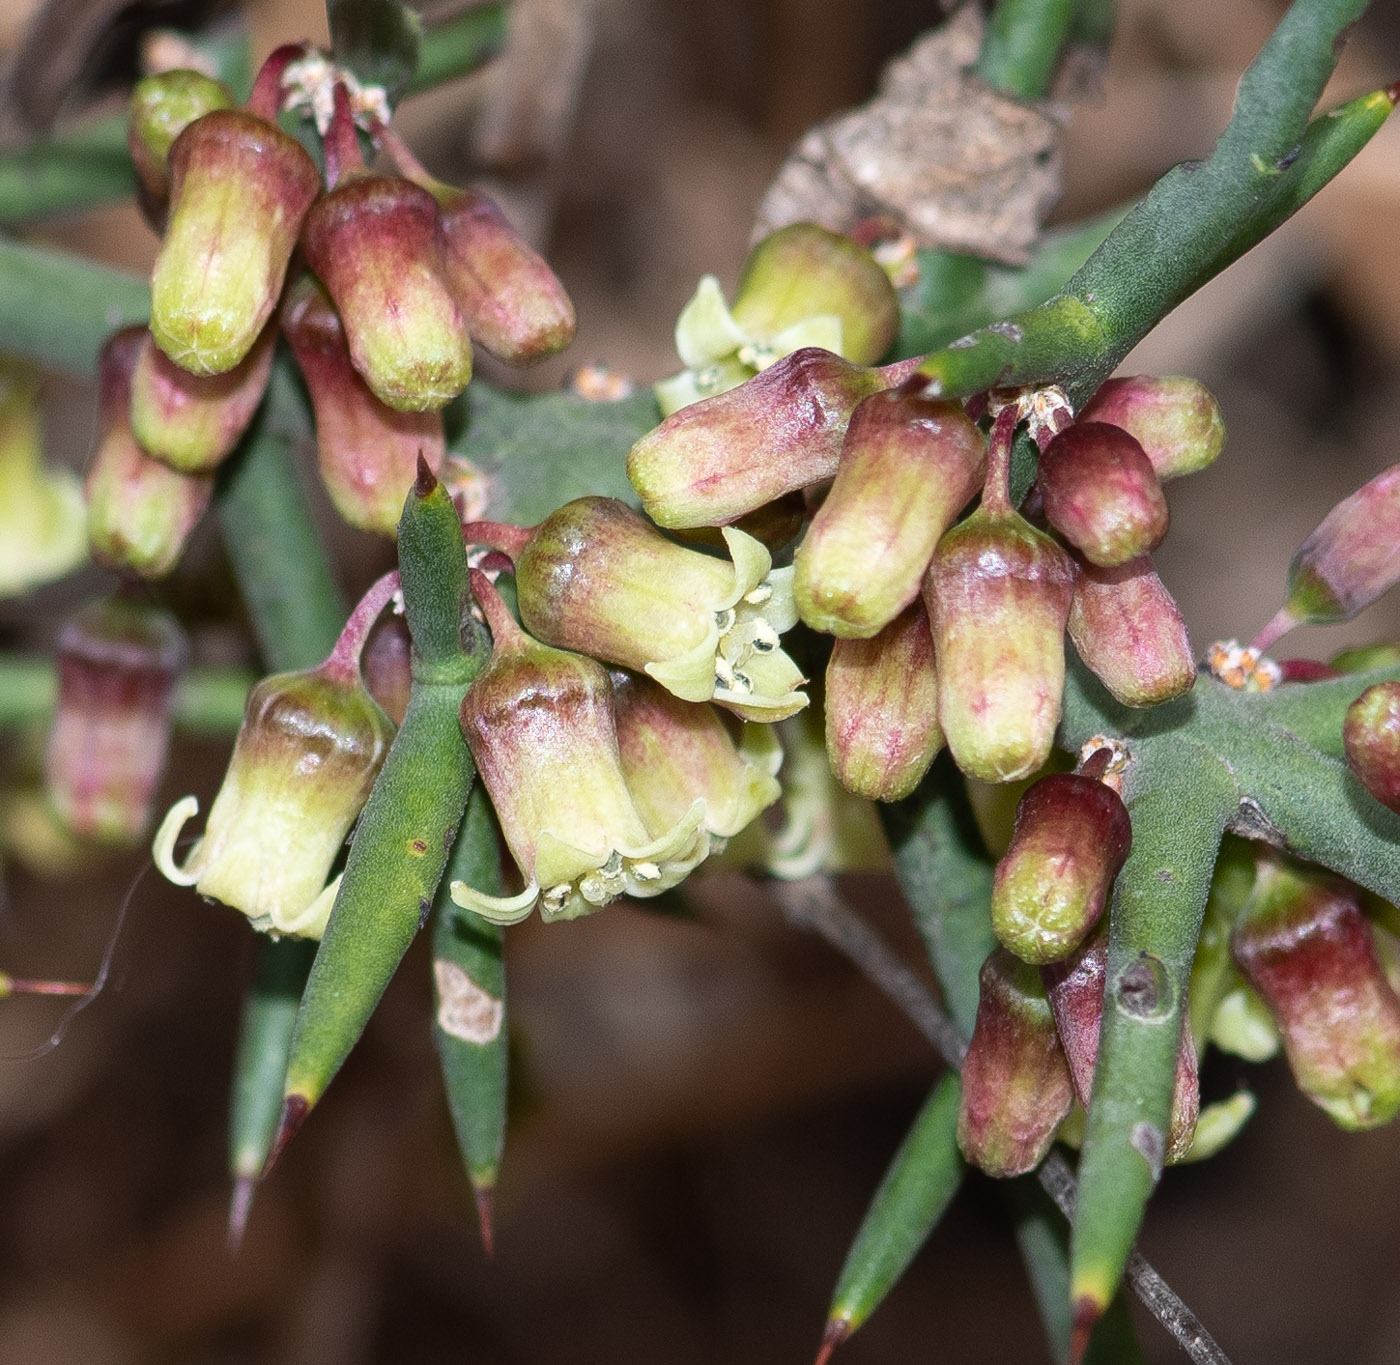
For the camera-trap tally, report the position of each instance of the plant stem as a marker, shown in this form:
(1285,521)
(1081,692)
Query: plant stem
(1021,47)
(459,47)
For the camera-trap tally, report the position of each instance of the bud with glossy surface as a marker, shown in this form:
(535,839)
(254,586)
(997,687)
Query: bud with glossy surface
(882,728)
(140,511)
(1016,1087)
(1071,838)
(306,756)
(596,578)
(1130,632)
(368,452)
(674,752)
(1371,736)
(908,467)
(118,663)
(540,725)
(162,106)
(713,461)
(1303,943)
(1174,418)
(1101,493)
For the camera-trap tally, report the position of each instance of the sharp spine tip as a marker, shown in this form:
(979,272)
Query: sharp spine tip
(486,1218)
(240,1205)
(1087,1312)
(295,1108)
(837,1331)
(426,480)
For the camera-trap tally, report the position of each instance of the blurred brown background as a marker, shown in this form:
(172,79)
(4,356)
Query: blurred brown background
(703,1107)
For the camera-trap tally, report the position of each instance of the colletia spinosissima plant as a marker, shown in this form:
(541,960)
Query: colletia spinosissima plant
(828,562)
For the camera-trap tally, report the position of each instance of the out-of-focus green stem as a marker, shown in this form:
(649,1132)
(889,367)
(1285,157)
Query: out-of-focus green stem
(207,701)
(459,46)
(1022,45)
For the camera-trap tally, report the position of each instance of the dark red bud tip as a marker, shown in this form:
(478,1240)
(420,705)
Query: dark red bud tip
(1096,765)
(240,1205)
(295,1108)
(425,481)
(837,1331)
(1086,1316)
(1306,671)
(485,1218)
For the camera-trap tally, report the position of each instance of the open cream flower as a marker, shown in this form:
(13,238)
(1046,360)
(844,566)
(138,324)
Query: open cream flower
(596,577)
(539,722)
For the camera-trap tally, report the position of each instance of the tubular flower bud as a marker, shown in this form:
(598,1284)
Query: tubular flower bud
(1174,418)
(802,286)
(674,752)
(1348,562)
(1071,838)
(998,593)
(306,756)
(192,422)
(1075,986)
(539,722)
(908,467)
(596,578)
(1371,734)
(711,462)
(118,662)
(368,452)
(1016,1086)
(1101,493)
(1303,943)
(43,530)
(239,190)
(1130,632)
(140,511)
(162,107)
(881,708)
(388,666)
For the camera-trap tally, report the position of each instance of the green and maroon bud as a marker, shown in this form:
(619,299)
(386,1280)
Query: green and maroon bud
(1075,986)
(1371,735)
(1130,632)
(1016,1087)
(308,752)
(540,725)
(239,190)
(374,242)
(1348,562)
(368,452)
(674,752)
(140,511)
(803,271)
(882,728)
(118,663)
(1174,418)
(596,577)
(1071,838)
(1363,658)
(998,594)
(192,422)
(908,467)
(513,302)
(711,462)
(1101,493)
(162,106)
(1305,946)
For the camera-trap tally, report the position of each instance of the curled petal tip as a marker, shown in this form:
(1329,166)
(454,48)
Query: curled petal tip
(163,846)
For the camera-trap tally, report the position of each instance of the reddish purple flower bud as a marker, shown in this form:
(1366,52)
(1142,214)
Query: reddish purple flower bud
(1306,671)
(1303,943)
(1175,419)
(140,511)
(1130,632)
(239,190)
(1016,1087)
(1371,734)
(882,728)
(1071,838)
(908,467)
(712,461)
(1075,986)
(192,422)
(1348,562)
(998,593)
(162,106)
(118,662)
(388,666)
(1101,493)
(368,452)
